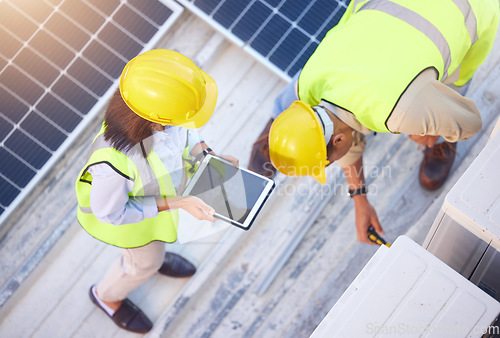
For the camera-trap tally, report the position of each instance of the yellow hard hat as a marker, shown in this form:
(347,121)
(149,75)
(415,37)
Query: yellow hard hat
(297,144)
(166,87)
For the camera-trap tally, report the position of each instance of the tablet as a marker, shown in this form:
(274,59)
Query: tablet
(236,194)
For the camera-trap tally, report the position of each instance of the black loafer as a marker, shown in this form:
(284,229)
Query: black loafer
(176,266)
(128,316)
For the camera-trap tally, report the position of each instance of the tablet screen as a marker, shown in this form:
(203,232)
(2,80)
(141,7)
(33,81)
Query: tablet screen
(230,191)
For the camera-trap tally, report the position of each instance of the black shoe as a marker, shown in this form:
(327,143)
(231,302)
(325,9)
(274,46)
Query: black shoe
(128,316)
(176,266)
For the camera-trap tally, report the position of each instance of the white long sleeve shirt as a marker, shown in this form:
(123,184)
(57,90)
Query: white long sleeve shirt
(109,197)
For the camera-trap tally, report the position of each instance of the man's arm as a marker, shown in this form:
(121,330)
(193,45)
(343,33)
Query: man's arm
(366,215)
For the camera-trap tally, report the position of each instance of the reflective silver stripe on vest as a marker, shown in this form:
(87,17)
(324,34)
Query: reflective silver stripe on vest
(469,17)
(86,210)
(356,3)
(426,27)
(150,183)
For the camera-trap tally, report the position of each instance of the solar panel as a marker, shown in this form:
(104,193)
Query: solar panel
(60,61)
(281,33)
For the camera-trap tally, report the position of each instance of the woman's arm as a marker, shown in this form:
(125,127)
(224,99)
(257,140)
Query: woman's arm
(109,199)
(193,205)
(111,203)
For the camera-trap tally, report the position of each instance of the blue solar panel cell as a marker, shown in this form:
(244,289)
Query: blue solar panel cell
(289,49)
(317,14)
(15,21)
(43,131)
(72,35)
(34,65)
(57,2)
(20,84)
(14,170)
(10,45)
(132,22)
(3,62)
(253,19)
(119,41)
(292,9)
(5,128)
(74,95)
(9,192)
(106,7)
(270,35)
(153,10)
(57,59)
(82,13)
(90,77)
(273,3)
(229,11)
(333,21)
(207,5)
(37,10)
(58,112)
(104,58)
(27,149)
(11,107)
(303,59)
(283,32)
(52,49)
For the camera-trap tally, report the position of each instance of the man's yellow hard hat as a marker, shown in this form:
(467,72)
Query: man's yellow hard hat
(166,87)
(297,144)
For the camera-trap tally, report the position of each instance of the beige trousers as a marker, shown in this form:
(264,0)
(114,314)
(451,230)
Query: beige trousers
(134,267)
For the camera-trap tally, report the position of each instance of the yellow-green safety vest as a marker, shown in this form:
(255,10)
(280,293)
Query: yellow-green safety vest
(366,62)
(150,178)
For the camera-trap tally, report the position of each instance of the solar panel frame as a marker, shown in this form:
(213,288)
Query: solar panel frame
(22,134)
(293,18)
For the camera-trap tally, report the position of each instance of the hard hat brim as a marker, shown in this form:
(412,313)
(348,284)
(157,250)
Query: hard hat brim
(321,178)
(208,107)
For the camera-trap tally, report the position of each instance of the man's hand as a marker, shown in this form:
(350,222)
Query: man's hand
(425,140)
(234,161)
(365,213)
(366,216)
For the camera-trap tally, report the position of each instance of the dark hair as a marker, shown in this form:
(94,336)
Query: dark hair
(124,128)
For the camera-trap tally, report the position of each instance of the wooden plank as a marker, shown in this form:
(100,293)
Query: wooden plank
(230,67)
(70,258)
(188,35)
(74,304)
(232,114)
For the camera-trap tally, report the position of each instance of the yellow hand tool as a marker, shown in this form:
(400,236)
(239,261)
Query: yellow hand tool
(375,237)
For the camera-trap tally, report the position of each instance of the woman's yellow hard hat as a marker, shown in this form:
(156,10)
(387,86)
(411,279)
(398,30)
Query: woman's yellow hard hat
(297,144)
(166,87)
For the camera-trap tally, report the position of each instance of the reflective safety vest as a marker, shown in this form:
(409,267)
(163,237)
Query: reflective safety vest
(150,178)
(367,61)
